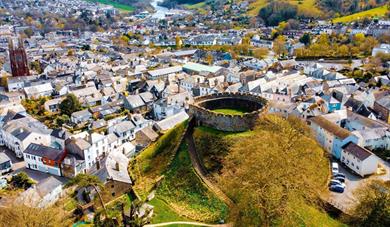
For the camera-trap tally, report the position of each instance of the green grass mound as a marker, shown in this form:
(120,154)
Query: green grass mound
(310,216)
(213,145)
(150,164)
(186,194)
(162,212)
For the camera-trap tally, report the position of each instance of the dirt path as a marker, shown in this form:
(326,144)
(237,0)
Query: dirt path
(184,223)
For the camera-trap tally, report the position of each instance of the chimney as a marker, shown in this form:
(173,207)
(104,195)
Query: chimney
(117,166)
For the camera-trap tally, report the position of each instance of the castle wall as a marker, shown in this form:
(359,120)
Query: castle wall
(203,106)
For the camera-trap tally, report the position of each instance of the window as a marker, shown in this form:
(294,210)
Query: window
(357,167)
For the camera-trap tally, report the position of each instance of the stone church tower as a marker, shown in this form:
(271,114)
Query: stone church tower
(18,59)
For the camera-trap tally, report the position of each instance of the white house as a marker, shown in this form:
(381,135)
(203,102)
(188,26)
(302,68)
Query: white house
(359,159)
(42,195)
(18,131)
(44,159)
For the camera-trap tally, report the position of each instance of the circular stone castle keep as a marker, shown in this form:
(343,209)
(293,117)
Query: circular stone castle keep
(252,105)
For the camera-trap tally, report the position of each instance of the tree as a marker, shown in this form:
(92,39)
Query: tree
(21,215)
(269,172)
(305,39)
(179,42)
(209,58)
(29,32)
(70,105)
(21,180)
(84,181)
(373,207)
(279,46)
(260,52)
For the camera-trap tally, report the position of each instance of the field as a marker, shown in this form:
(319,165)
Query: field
(376,12)
(255,7)
(182,189)
(305,7)
(115,4)
(198,6)
(230,111)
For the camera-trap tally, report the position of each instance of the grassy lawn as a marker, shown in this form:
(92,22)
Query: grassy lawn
(376,12)
(230,111)
(149,165)
(163,213)
(311,216)
(195,6)
(255,7)
(306,7)
(186,194)
(115,4)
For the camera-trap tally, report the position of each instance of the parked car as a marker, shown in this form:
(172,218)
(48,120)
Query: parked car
(336,182)
(341,179)
(339,175)
(335,168)
(336,188)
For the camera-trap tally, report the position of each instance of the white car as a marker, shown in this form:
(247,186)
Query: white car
(335,168)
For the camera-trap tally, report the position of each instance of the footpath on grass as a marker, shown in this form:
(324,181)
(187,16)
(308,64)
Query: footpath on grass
(186,223)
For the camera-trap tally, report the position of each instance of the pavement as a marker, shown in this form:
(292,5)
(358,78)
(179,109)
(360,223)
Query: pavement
(347,200)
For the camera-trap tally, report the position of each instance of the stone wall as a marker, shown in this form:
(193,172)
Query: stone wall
(203,106)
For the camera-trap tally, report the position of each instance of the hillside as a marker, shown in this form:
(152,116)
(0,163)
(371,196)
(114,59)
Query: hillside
(376,12)
(228,155)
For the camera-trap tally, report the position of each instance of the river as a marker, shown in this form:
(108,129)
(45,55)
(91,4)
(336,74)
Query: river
(160,11)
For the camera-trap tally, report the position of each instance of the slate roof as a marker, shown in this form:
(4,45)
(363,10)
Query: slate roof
(331,127)
(44,151)
(48,185)
(165,71)
(135,101)
(357,151)
(385,102)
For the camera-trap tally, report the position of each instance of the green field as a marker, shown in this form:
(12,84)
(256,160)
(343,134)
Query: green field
(230,111)
(115,4)
(305,7)
(376,12)
(182,189)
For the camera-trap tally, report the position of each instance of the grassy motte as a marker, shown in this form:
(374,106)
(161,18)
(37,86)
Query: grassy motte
(213,145)
(149,165)
(375,12)
(230,111)
(182,189)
